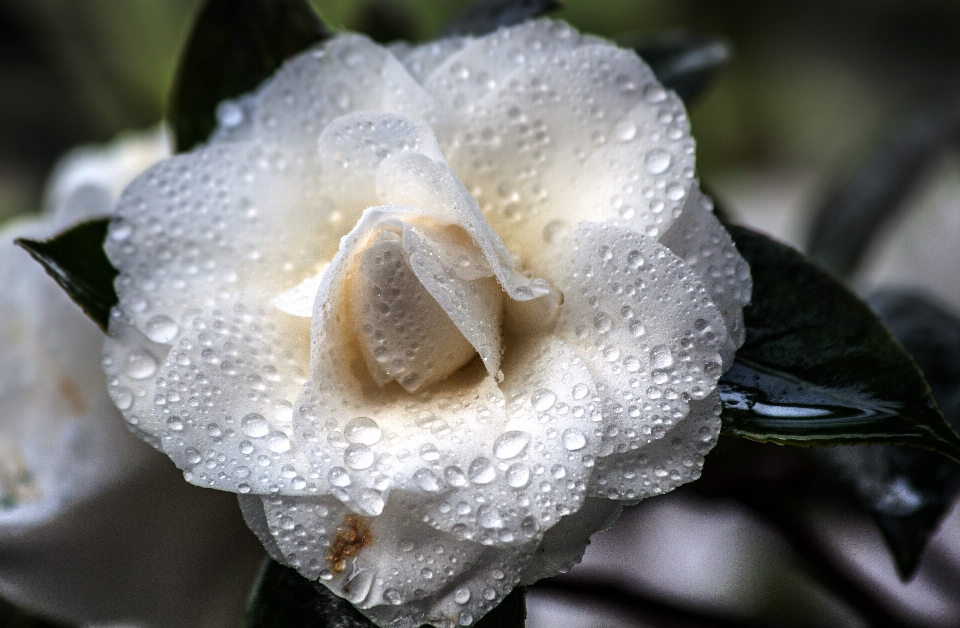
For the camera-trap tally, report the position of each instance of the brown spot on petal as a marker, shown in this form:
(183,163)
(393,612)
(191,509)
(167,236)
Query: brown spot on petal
(71,392)
(352,536)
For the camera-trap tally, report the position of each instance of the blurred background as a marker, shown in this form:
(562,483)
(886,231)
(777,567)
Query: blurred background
(814,90)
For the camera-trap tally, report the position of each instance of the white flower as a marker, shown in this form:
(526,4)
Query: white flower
(94,525)
(434,312)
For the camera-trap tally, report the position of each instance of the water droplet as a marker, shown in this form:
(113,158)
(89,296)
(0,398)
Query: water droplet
(161,329)
(123,398)
(362,430)
(675,191)
(574,440)
(427,480)
(543,399)
(455,476)
(254,425)
(140,364)
(393,596)
(278,442)
(658,160)
(510,445)
(175,423)
(626,130)
(654,93)
(358,456)
(602,323)
(193,456)
(371,502)
(489,517)
(461,595)
(481,471)
(660,357)
(338,476)
(518,475)
(429,452)
(120,229)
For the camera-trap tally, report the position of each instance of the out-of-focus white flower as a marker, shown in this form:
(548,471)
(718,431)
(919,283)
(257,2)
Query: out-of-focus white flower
(435,312)
(94,525)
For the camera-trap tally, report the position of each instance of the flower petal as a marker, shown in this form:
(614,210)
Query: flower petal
(703,243)
(647,364)
(537,468)
(665,464)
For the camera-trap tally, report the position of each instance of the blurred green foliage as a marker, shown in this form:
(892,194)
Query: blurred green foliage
(810,78)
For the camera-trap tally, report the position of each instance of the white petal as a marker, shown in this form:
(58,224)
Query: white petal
(537,467)
(644,326)
(543,151)
(563,545)
(349,73)
(664,464)
(703,243)
(422,60)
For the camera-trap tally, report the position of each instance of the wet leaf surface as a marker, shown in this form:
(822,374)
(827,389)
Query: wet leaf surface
(818,367)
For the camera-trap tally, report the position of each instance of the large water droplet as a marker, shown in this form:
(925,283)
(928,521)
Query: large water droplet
(626,130)
(362,430)
(489,517)
(429,452)
(278,442)
(543,399)
(338,476)
(658,160)
(140,364)
(660,357)
(254,425)
(427,480)
(481,471)
(455,476)
(371,502)
(574,440)
(518,475)
(510,444)
(161,329)
(358,456)
(461,595)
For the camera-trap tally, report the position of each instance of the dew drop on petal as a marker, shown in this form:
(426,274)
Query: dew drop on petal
(362,430)
(481,471)
(510,444)
(574,440)
(358,456)
(338,476)
(161,329)
(140,365)
(658,160)
(278,442)
(461,595)
(427,480)
(254,425)
(543,399)
(518,475)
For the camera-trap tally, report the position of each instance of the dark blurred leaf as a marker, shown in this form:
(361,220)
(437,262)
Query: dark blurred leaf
(386,21)
(283,598)
(487,16)
(233,47)
(818,367)
(907,490)
(688,63)
(76,260)
(13,617)
(859,205)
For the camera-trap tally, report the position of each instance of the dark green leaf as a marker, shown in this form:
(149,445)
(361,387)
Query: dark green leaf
(386,21)
(233,47)
(282,598)
(818,367)
(487,16)
(907,490)
(861,203)
(688,63)
(76,260)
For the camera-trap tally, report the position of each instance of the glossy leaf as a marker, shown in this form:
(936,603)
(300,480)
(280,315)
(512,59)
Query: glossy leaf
(908,490)
(233,47)
(487,16)
(818,367)
(688,63)
(859,204)
(76,260)
(283,598)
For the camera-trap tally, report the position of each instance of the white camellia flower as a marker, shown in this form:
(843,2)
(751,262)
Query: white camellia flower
(435,312)
(94,525)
